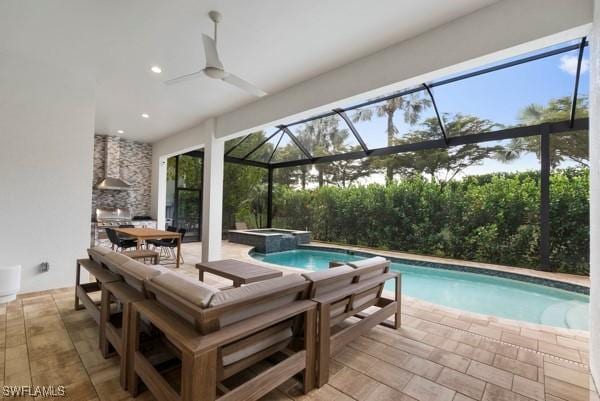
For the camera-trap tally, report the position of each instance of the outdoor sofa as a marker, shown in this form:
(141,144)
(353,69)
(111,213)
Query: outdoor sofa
(346,292)
(171,328)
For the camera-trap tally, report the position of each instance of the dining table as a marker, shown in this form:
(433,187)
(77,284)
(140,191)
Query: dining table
(144,234)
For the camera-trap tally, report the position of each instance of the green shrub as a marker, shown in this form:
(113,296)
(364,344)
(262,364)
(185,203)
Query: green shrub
(492,218)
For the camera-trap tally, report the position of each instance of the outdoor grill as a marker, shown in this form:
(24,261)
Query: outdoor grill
(108,217)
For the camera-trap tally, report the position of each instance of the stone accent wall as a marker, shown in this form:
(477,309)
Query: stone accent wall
(134,163)
(113,152)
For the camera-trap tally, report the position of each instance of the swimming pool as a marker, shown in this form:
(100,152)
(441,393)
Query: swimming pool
(471,292)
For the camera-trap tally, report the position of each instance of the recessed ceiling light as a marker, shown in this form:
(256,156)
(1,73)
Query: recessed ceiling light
(156,69)
(145,115)
(120,131)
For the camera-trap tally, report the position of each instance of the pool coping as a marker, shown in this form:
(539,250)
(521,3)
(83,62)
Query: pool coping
(493,319)
(489,270)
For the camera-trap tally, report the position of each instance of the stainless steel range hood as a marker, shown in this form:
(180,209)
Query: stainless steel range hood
(113,183)
(112,178)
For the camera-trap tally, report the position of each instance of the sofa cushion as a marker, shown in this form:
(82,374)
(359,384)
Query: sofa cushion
(367,263)
(321,275)
(100,250)
(137,272)
(262,287)
(186,287)
(142,270)
(98,253)
(115,260)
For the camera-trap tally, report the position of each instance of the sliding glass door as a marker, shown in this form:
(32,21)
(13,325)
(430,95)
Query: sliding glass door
(184,194)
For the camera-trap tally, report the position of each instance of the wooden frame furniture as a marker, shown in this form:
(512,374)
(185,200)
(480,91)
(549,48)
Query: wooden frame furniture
(216,334)
(143,234)
(237,271)
(346,291)
(114,322)
(83,290)
(114,325)
(143,254)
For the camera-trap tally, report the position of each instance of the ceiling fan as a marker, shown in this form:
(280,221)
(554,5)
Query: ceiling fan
(214,68)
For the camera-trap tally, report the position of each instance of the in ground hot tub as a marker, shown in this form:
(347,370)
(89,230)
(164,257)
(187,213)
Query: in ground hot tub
(267,240)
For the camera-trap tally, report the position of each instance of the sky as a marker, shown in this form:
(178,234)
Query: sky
(498,96)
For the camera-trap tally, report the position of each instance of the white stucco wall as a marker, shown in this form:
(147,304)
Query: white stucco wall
(595,194)
(46,157)
(47,112)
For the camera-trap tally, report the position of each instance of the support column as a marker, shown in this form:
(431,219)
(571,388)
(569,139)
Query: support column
(270,200)
(545,199)
(212,198)
(159,198)
(595,194)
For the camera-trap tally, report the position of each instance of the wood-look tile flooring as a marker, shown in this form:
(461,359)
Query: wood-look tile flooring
(438,354)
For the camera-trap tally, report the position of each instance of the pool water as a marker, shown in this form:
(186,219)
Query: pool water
(471,292)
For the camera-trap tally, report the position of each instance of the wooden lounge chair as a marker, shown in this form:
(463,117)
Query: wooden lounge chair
(84,291)
(114,322)
(214,335)
(347,291)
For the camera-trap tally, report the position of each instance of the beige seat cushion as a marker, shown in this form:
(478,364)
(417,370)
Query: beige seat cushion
(262,287)
(100,250)
(99,253)
(140,272)
(321,275)
(186,287)
(366,263)
(114,260)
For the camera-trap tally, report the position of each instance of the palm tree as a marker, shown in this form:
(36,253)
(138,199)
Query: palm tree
(410,105)
(323,137)
(257,202)
(572,146)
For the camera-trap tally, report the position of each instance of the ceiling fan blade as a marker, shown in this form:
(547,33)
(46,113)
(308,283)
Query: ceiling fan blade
(184,78)
(211,53)
(243,85)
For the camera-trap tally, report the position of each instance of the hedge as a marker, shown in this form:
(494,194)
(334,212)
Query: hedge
(491,218)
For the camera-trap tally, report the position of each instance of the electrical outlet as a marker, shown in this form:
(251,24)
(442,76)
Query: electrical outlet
(44,267)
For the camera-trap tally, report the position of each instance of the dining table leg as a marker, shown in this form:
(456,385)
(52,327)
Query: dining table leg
(178,250)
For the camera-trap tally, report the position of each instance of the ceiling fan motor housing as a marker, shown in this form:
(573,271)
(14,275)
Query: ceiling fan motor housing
(215,72)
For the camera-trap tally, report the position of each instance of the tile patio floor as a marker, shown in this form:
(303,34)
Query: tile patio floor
(438,354)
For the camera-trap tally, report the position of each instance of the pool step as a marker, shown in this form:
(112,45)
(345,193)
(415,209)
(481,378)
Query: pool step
(565,314)
(577,317)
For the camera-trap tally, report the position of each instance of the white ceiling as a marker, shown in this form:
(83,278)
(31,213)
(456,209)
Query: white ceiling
(271,43)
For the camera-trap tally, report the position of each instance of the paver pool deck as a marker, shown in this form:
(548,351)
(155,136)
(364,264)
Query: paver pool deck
(438,353)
